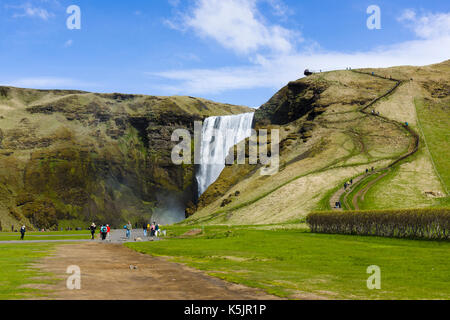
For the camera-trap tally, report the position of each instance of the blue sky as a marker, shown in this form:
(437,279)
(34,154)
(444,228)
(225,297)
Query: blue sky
(234,51)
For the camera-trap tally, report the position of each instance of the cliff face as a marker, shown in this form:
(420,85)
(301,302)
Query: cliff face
(292,102)
(71,155)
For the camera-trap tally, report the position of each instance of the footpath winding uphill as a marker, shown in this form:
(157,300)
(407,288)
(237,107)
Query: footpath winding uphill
(343,193)
(110,271)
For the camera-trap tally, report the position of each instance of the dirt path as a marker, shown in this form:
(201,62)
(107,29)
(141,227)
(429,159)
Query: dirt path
(338,194)
(106,275)
(361,193)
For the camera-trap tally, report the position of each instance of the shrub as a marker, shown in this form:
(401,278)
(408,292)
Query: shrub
(430,223)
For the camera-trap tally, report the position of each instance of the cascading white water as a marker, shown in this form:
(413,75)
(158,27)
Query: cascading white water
(219,134)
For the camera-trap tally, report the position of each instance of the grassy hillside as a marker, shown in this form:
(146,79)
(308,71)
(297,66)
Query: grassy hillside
(327,140)
(81,156)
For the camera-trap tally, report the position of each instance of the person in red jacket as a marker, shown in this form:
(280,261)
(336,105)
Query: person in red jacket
(108,235)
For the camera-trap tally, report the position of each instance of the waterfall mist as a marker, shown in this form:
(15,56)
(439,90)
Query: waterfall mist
(171,208)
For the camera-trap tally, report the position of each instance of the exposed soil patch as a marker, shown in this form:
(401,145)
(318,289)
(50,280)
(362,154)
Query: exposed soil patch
(106,275)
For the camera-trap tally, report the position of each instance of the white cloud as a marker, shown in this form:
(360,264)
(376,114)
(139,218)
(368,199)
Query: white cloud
(275,72)
(237,25)
(28,10)
(279,7)
(68,43)
(429,25)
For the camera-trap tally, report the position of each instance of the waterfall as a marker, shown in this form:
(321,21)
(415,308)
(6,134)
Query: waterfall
(219,134)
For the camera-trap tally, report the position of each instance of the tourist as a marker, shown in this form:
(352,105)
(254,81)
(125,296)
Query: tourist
(144,227)
(108,231)
(156,229)
(92,229)
(129,227)
(152,230)
(22,232)
(104,232)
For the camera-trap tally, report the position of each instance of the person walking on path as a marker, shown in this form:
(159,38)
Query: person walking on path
(156,229)
(129,227)
(144,227)
(108,232)
(22,232)
(104,232)
(92,229)
(152,230)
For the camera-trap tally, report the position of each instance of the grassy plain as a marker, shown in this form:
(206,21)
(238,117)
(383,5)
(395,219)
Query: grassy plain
(289,261)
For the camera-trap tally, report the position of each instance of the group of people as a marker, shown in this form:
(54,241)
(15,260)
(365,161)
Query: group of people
(348,184)
(367,170)
(151,230)
(105,231)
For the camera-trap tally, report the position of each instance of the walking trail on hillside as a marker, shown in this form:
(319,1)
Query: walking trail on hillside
(106,275)
(413,148)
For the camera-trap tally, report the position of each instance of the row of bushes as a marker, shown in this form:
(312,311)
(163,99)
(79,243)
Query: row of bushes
(406,223)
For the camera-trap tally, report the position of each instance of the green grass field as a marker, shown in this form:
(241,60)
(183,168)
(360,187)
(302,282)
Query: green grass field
(293,262)
(55,235)
(17,274)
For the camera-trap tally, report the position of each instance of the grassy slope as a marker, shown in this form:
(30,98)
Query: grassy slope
(426,171)
(434,122)
(344,144)
(297,264)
